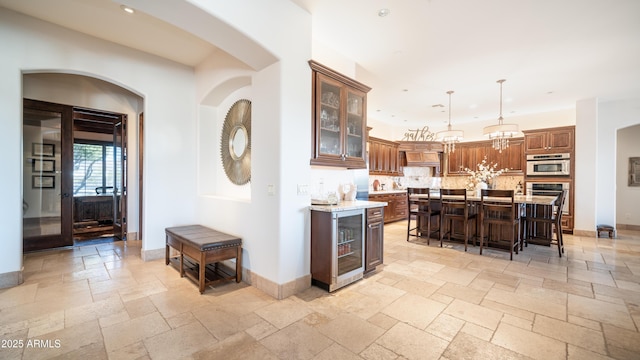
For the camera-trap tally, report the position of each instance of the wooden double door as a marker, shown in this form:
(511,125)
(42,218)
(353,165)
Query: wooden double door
(50,166)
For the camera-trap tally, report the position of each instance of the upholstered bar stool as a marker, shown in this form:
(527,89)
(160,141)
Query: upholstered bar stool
(423,209)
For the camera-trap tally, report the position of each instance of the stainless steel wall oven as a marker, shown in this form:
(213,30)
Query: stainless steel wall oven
(549,189)
(549,164)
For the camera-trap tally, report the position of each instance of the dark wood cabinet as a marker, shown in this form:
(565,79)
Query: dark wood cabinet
(339,119)
(384,157)
(396,208)
(470,154)
(93,208)
(374,241)
(552,140)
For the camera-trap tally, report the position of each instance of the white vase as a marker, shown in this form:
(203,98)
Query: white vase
(481,186)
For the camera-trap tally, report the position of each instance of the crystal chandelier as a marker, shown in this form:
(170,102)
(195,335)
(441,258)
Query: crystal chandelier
(501,133)
(450,137)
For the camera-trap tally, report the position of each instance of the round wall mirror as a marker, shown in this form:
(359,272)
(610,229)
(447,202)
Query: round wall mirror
(238,142)
(235,142)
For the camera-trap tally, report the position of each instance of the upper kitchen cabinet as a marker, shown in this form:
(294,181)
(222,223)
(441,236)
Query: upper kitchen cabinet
(512,158)
(384,158)
(470,154)
(339,119)
(560,139)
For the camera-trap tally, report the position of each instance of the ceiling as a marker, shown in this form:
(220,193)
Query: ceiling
(551,52)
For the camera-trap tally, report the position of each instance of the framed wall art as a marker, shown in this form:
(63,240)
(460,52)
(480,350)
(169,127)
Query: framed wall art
(44,165)
(42,149)
(43,182)
(634,171)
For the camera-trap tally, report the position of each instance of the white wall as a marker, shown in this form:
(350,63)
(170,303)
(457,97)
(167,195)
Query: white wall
(169,95)
(596,129)
(586,161)
(276,225)
(627,197)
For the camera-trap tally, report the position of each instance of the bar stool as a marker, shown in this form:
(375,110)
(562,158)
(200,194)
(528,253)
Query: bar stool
(497,207)
(422,208)
(455,209)
(554,220)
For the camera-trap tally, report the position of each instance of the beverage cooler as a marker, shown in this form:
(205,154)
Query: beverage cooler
(337,248)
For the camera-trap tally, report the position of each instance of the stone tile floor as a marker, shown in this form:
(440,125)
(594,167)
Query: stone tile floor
(425,302)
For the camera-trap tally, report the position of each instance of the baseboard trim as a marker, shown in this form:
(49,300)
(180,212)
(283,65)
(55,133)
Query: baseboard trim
(277,291)
(155,254)
(585,233)
(11,279)
(628,227)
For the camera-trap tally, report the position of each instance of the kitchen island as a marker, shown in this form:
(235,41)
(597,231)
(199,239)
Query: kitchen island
(524,203)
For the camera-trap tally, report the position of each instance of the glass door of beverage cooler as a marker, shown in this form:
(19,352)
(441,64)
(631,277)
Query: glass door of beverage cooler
(349,247)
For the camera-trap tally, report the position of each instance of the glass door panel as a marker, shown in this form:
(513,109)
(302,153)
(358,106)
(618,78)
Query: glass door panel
(350,243)
(119,181)
(355,120)
(330,119)
(46,201)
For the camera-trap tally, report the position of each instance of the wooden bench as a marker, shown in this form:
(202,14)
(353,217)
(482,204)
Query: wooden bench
(606,228)
(204,248)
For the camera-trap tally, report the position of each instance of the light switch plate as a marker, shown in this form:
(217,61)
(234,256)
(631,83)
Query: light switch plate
(303,189)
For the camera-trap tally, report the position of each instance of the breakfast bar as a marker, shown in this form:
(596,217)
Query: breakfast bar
(522,204)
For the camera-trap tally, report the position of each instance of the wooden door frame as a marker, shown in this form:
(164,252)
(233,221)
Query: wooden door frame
(140,172)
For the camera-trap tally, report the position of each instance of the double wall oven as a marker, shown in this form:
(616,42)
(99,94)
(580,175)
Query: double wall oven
(548,174)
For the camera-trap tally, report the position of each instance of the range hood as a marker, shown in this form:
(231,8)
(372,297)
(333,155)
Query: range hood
(420,158)
(421,153)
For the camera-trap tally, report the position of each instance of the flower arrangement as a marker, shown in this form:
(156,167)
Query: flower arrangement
(484,174)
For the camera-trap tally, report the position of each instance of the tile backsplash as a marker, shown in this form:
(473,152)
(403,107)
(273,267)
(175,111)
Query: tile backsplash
(421,177)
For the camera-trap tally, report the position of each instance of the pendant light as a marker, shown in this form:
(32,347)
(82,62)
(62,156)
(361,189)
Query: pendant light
(450,137)
(501,133)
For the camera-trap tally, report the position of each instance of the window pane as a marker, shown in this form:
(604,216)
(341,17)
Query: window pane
(88,168)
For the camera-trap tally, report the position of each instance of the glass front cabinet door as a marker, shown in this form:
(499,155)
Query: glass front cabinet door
(339,119)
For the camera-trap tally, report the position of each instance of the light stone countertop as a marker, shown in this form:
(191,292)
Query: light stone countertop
(348,205)
(384,192)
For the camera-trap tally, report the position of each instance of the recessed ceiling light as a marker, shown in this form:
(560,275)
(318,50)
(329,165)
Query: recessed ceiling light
(383,12)
(437,105)
(127,9)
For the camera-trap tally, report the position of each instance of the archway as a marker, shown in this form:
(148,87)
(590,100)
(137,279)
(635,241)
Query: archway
(87,91)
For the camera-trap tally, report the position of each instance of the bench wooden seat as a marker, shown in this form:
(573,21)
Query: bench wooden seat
(205,248)
(606,228)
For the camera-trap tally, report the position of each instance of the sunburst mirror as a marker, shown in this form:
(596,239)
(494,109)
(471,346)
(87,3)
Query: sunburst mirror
(235,142)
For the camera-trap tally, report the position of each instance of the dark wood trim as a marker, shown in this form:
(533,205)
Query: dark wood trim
(140,172)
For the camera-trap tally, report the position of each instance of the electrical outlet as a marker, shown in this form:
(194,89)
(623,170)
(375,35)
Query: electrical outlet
(303,189)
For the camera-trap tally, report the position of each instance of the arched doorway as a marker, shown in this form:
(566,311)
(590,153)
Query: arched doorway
(92,199)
